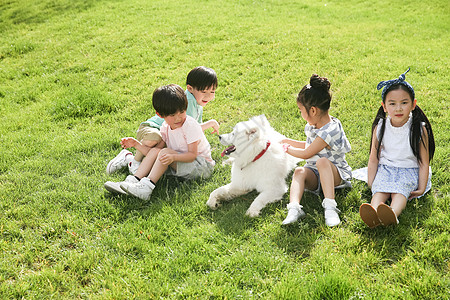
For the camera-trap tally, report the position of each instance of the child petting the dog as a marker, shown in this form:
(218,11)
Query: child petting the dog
(201,84)
(183,151)
(402,147)
(324,151)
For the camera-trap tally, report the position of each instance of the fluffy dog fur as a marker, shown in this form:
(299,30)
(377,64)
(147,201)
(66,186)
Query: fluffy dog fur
(266,175)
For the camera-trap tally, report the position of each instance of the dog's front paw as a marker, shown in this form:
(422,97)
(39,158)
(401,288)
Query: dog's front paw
(228,161)
(212,202)
(252,212)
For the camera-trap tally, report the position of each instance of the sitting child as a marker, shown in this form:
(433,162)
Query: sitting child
(183,151)
(402,147)
(201,84)
(324,151)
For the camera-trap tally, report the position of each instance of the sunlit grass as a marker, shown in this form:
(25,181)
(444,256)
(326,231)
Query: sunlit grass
(76,76)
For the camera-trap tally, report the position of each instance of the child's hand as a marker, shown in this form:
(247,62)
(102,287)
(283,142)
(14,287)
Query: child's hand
(128,142)
(167,158)
(211,124)
(289,141)
(215,125)
(416,193)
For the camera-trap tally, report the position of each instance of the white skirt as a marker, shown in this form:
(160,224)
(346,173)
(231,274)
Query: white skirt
(396,180)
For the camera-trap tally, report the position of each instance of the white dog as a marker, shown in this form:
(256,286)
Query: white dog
(258,163)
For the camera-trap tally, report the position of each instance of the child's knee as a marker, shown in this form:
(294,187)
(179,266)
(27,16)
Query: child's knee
(299,172)
(164,151)
(155,151)
(149,144)
(322,162)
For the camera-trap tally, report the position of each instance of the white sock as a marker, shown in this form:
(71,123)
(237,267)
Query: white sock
(328,202)
(331,212)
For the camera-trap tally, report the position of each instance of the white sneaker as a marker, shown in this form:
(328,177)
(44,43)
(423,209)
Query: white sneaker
(114,187)
(331,212)
(142,189)
(133,166)
(295,212)
(119,161)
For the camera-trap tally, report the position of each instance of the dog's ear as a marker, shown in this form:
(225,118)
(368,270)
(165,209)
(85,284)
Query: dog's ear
(252,133)
(261,121)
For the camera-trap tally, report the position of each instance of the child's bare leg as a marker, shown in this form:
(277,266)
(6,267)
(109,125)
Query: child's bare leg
(388,214)
(379,198)
(398,203)
(159,168)
(149,144)
(147,163)
(329,176)
(302,178)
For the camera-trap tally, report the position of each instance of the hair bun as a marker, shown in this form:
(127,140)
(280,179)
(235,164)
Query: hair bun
(319,82)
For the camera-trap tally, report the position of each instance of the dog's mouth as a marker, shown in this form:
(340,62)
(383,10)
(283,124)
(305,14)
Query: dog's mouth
(228,151)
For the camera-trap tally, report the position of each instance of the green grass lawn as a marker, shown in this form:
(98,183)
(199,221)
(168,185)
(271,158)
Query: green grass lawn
(76,76)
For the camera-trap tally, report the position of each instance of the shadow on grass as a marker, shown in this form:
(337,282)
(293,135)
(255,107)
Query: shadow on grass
(392,243)
(41,11)
(299,237)
(230,217)
(170,190)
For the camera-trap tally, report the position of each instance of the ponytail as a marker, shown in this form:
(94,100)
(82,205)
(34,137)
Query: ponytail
(416,134)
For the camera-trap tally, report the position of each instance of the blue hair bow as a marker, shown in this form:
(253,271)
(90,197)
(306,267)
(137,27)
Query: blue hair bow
(400,80)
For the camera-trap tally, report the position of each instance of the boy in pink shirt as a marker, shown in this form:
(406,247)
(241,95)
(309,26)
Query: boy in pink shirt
(184,150)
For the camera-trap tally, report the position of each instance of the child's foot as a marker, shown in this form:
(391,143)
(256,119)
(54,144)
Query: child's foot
(119,161)
(369,215)
(133,166)
(387,215)
(295,212)
(331,212)
(142,189)
(114,187)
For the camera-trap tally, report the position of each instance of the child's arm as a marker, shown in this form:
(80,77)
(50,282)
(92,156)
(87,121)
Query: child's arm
(211,124)
(308,152)
(424,166)
(294,143)
(189,156)
(372,165)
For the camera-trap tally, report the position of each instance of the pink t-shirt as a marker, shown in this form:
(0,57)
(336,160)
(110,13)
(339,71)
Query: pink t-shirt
(180,138)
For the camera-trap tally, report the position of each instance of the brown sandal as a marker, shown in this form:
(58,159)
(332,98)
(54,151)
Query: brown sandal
(387,215)
(369,215)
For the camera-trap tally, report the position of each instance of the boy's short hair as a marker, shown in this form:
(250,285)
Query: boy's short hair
(169,99)
(201,78)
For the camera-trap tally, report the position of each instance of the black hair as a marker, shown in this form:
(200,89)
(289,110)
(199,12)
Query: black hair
(415,134)
(169,99)
(317,93)
(201,78)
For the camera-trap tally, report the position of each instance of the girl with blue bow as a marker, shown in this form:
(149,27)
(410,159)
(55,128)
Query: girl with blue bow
(402,147)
